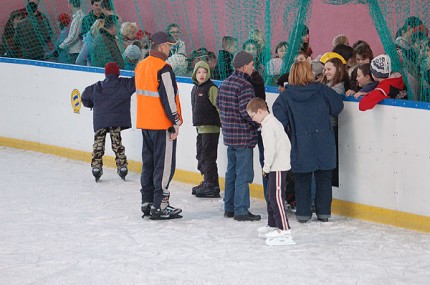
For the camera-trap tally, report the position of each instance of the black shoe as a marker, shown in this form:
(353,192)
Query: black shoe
(97,173)
(195,188)
(324,220)
(303,221)
(228,214)
(208,191)
(247,217)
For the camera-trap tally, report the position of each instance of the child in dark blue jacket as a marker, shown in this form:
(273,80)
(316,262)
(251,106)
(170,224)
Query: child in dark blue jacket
(110,100)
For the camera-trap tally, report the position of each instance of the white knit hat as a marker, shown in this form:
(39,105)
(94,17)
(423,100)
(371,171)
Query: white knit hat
(380,66)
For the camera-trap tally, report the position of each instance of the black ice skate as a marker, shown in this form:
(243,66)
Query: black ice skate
(97,172)
(208,191)
(122,172)
(166,214)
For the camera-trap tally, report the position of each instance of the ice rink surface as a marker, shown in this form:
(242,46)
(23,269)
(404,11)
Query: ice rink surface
(60,227)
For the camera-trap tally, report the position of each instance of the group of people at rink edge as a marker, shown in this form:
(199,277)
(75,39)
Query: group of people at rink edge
(297,141)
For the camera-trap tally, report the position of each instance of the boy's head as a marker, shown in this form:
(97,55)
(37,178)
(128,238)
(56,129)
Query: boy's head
(201,72)
(132,53)
(111,69)
(380,67)
(257,109)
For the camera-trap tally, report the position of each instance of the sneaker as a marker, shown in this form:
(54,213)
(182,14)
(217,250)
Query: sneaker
(195,188)
(208,191)
(122,172)
(262,231)
(228,214)
(97,173)
(247,217)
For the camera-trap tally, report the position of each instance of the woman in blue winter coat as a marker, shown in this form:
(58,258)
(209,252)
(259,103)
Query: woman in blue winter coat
(306,107)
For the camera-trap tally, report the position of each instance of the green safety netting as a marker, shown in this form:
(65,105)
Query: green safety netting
(203,25)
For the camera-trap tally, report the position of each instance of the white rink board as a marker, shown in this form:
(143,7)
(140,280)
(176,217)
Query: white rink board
(384,153)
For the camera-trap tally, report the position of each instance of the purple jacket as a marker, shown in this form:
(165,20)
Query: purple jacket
(238,129)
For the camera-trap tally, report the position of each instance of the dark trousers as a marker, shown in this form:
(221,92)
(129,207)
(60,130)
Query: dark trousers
(158,165)
(276,199)
(323,195)
(99,147)
(207,153)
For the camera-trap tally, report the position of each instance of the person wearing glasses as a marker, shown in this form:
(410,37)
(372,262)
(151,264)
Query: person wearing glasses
(174,32)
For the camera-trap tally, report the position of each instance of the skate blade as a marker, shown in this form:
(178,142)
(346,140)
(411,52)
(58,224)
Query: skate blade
(279,241)
(165,218)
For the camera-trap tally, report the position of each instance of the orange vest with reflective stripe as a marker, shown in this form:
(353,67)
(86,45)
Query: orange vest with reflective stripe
(150,114)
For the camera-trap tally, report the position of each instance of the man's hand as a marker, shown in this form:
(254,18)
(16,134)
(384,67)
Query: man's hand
(174,132)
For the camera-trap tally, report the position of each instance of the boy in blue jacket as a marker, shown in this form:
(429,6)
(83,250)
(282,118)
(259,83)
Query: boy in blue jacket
(110,100)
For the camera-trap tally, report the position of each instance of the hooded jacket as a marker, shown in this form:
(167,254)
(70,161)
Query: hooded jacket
(392,87)
(110,100)
(307,110)
(203,99)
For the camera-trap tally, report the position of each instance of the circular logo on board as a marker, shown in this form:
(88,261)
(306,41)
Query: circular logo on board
(76,101)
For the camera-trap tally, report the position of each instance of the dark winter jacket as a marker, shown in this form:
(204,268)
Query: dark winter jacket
(110,100)
(307,110)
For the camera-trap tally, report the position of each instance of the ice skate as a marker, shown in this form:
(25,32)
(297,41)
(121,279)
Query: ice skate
(97,173)
(262,231)
(195,188)
(122,172)
(208,191)
(167,213)
(279,237)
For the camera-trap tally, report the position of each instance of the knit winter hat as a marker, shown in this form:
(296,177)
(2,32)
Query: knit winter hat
(112,68)
(380,66)
(133,52)
(241,58)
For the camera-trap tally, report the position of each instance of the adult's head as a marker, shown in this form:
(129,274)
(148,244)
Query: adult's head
(173,31)
(229,44)
(96,7)
(300,73)
(162,42)
(129,30)
(110,24)
(243,61)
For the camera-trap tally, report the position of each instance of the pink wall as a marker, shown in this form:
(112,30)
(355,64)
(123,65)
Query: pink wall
(204,22)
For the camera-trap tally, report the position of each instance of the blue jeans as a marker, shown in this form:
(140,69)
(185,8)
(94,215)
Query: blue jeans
(240,172)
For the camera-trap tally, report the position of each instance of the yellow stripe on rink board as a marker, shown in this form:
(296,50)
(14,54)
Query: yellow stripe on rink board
(339,207)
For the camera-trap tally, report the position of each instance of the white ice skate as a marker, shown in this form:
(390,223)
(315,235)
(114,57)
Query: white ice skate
(262,231)
(279,237)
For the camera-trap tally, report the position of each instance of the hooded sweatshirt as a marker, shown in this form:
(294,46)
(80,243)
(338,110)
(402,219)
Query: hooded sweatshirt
(307,110)
(203,102)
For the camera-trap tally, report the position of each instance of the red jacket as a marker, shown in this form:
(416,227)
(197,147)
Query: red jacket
(392,87)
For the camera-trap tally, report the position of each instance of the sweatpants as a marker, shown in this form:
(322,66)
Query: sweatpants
(207,153)
(158,166)
(276,200)
(99,147)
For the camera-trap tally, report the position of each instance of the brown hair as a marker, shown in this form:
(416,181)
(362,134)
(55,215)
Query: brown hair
(364,50)
(256,104)
(300,73)
(340,75)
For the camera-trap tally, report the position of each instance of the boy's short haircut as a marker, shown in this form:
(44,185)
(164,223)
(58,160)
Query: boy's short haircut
(345,51)
(94,1)
(227,42)
(256,104)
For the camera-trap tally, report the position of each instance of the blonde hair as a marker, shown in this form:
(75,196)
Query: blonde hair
(340,39)
(128,28)
(98,24)
(257,35)
(300,73)
(256,104)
